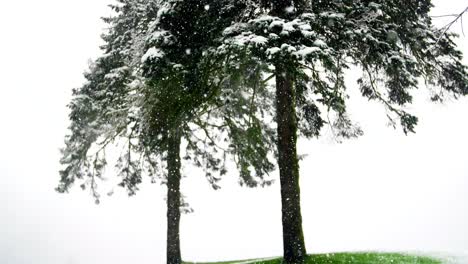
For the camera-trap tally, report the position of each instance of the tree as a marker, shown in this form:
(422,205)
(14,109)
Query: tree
(311,44)
(156,85)
(178,64)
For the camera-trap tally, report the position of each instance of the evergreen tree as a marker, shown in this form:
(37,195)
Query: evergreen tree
(309,46)
(157,84)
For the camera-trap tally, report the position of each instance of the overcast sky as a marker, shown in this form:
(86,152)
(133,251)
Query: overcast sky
(384,191)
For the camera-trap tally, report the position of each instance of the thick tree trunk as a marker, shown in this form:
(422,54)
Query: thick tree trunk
(173,198)
(293,237)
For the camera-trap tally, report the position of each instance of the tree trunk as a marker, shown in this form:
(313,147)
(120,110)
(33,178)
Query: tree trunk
(293,237)
(173,198)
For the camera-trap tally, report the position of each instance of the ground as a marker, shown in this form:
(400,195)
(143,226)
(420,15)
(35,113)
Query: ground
(349,258)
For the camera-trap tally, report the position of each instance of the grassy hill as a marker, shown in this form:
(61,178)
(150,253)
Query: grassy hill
(348,258)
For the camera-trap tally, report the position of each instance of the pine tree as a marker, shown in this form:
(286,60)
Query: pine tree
(311,44)
(157,84)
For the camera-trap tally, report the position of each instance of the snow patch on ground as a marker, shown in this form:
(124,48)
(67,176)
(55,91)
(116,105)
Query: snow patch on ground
(452,258)
(256,260)
(445,257)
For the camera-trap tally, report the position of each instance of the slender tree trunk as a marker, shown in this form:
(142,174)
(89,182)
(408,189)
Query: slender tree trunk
(293,237)
(173,198)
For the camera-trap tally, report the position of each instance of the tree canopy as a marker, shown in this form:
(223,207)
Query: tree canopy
(156,74)
(393,43)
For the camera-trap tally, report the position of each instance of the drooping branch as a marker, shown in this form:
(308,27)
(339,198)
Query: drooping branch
(457,17)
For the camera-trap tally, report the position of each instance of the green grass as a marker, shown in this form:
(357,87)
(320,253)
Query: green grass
(348,258)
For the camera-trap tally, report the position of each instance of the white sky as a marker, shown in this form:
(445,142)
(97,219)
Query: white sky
(385,191)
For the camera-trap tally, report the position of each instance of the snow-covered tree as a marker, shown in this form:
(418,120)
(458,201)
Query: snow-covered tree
(310,45)
(158,83)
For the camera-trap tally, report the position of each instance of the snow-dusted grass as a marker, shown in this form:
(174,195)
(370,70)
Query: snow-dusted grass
(348,258)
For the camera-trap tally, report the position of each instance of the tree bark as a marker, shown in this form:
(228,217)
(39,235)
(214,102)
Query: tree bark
(173,198)
(293,237)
